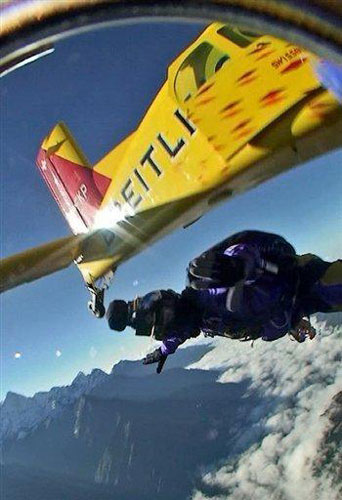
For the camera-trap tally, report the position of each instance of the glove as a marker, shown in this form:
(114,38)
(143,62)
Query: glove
(155,357)
(303,330)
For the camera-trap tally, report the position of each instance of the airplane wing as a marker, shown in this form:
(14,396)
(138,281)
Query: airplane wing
(37,262)
(46,259)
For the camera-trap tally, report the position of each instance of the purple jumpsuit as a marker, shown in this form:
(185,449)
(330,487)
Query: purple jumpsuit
(258,295)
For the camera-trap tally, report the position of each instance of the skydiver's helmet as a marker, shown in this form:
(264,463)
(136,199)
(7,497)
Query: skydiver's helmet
(153,314)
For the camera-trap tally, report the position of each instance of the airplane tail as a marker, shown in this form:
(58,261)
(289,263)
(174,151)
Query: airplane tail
(76,187)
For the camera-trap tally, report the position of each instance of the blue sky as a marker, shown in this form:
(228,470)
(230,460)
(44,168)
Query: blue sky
(101,84)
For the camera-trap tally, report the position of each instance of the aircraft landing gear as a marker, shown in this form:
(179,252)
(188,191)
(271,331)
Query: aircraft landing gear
(95,305)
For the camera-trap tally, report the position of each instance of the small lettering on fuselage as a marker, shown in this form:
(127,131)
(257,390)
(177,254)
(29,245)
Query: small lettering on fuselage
(290,54)
(148,161)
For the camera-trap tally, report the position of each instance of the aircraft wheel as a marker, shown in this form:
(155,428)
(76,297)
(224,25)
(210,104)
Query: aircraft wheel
(98,311)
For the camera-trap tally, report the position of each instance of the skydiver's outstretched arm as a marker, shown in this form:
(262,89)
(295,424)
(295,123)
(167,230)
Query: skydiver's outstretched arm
(155,357)
(169,345)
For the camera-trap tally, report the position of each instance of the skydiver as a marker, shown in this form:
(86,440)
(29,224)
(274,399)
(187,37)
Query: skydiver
(251,285)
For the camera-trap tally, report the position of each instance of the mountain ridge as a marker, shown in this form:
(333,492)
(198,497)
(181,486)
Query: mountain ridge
(21,414)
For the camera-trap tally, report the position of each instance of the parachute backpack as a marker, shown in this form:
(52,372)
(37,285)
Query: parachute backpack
(211,269)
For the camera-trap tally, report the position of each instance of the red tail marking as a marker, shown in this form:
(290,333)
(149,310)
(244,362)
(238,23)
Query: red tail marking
(274,101)
(241,125)
(265,54)
(260,46)
(72,175)
(78,190)
(204,89)
(102,182)
(294,65)
(270,96)
(247,81)
(205,101)
(245,132)
(231,113)
(211,138)
(230,106)
(246,75)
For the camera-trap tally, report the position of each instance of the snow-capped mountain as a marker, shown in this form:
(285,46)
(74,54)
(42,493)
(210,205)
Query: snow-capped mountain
(223,421)
(20,414)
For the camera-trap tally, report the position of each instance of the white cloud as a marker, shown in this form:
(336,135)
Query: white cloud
(92,352)
(17,355)
(298,382)
(58,353)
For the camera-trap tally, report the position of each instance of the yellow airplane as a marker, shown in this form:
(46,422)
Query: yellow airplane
(236,109)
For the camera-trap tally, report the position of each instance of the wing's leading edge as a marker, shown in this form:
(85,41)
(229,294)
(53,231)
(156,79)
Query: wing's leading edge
(45,259)
(37,262)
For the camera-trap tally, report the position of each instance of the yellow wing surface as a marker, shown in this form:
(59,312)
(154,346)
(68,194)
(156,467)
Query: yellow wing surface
(237,108)
(37,262)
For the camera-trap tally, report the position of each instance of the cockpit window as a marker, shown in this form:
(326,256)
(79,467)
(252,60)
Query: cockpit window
(197,68)
(239,37)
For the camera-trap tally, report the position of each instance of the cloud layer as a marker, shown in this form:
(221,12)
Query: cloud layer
(283,433)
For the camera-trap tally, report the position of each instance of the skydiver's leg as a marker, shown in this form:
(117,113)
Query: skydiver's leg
(329,287)
(321,287)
